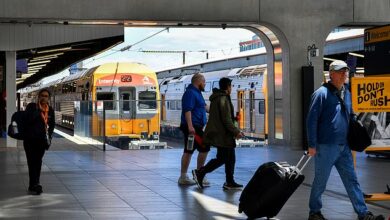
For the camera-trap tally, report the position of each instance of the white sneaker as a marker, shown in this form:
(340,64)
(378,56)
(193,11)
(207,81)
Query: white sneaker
(206,182)
(186,181)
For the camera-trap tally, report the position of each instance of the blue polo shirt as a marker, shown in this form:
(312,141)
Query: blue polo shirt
(193,101)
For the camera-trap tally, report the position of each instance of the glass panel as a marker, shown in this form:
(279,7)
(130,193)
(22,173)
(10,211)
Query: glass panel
(279,118)
(108,98)
(216,84)
(207,87)
(126,103)
(147,100)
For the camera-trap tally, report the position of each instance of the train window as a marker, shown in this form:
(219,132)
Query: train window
(147,100)
(215,85)
(262,106)
(57,106)
(207,88)
(126,101)
(178,105)
(108,98)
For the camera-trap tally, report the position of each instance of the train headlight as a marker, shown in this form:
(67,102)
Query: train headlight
(141,125)
(113,126)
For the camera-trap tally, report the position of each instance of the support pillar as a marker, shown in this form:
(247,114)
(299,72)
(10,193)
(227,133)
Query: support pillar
(10,73)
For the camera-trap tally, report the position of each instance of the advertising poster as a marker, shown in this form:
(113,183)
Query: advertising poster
(371,102)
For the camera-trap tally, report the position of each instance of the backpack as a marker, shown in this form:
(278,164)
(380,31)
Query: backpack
(16,128)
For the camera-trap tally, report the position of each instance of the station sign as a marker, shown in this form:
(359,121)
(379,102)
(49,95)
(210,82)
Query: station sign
(370,94)
(377,50)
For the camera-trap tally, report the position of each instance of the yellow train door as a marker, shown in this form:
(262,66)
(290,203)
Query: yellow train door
(252,122)
(163,108)
(241,108)
(127,111)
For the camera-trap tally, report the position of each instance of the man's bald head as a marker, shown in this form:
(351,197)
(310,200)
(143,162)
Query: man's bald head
(198,81)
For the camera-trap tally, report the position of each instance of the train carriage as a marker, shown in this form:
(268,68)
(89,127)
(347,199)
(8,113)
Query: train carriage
(127,92)
(248,98)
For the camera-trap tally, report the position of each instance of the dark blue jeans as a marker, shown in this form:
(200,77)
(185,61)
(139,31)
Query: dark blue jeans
(340,156)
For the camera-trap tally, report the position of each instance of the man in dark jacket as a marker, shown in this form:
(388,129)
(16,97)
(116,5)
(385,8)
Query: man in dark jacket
(38,133)
(221,132)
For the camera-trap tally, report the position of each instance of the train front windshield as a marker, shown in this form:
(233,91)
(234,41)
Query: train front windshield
(147,100)
(107,98)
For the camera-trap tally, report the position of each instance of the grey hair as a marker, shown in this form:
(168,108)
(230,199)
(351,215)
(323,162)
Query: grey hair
(196,77)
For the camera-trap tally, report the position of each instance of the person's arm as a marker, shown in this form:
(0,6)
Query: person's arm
(51,122)
(188,104)
(191,128)
(312,121)
(226,117)
(207,108)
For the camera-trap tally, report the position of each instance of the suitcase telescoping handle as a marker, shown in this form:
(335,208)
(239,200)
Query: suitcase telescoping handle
(305,154)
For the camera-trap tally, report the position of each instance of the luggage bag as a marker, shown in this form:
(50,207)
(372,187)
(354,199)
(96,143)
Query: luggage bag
(270,188)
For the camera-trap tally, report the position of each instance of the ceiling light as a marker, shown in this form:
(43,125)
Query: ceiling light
(356,54)
(329,59)
(39,62)
(54,50)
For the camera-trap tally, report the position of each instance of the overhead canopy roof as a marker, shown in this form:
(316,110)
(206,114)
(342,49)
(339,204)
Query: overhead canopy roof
(46,61)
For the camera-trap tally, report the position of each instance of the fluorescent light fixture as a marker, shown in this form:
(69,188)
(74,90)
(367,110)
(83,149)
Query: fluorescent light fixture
(44,58)
(329,59)
(34,70)
(36,67)
(24,76)
(55,50)
(356,54)
(39,62)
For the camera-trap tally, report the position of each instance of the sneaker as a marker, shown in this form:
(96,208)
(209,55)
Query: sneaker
(370,216)
(233,185)
(316,216)
(206,182)
(186,181)
(198,177)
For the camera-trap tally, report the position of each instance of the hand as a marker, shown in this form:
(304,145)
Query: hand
(191,130)
(240,135)
(312,151)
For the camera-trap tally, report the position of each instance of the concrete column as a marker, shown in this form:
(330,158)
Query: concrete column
(10,72)
(298,58)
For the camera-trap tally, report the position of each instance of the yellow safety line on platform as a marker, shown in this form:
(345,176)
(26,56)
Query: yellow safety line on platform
(378,197)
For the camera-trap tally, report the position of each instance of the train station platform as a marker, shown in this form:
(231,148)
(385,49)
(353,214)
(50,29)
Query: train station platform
(83,182)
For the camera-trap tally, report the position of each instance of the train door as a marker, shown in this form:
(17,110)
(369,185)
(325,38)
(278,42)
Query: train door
(126,109)
(241,108)
(252,112)
(163,109)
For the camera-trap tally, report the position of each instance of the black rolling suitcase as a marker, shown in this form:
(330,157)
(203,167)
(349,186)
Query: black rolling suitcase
(270,188)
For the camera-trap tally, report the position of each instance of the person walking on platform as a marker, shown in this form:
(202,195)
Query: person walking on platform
(193,119)
(327,128)
(221,132)
(38,133)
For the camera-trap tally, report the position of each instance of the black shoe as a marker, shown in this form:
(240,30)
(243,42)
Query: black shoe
(370,216)
(233,185)
(198,177)
(316,216)
(35,190)
(39,189)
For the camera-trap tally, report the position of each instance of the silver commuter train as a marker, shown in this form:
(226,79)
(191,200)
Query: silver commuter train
(248,97)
